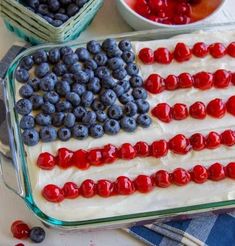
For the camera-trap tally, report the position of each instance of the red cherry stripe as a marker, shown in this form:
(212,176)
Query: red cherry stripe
(183,52)
(221,78)
(216,108)
(108,154)
(142,183)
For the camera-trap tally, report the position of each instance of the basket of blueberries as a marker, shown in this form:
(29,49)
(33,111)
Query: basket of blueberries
(40,21)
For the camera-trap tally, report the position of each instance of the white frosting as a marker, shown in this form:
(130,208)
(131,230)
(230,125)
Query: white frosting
(192,194)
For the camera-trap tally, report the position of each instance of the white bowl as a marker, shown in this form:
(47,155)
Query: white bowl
(139,22)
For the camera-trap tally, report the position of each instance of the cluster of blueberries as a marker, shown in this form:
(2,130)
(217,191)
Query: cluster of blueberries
(56,12)
(91,91)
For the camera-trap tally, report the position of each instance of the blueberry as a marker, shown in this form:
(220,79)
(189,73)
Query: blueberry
(47,83)
(37,101)
(119,73)
(125,98)
(115,112)
(65,51)
(34,83)
(72,9)
(83,54)
(108,82)
(33,3)
(119,90)
(53,5)
(60,69)
(63,106)
(62,88)
(143,106)
(30,137)
(54,55)
(64,134)
(68,77)
(101,116)
(93,47)
(108,97)
(125,84)
(43,119)
(109,44)
(89,118)
(136,81)
(80,131)
(65,2)
(37,234)
(57,119)
(48,108)
(73,98)
(81,77)
(89,73)
(79,112)
(115,63)
(128,124)
(144,120)
(48,134)
(51,97)
(57,23)
(40,56)
(94,85)
(78,88)
(61,17)
(27,122)
(111,127)
(96,131)
(116,52)
(63,10)
(130,109)
(87,98)
(23,107)
(75,68)
(132,69)
(22,75)
(80,3)
(90,64)
(70,59)
(128,56)
(102,72)
(48,19)
(101,59)
(69,120)
(42,69)
(26,91)
(125,45)
(97,105)
(27,62)
(139,93)
(43,9)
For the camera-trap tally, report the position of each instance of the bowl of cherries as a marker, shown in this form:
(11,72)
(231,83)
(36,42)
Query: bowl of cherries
(152,14)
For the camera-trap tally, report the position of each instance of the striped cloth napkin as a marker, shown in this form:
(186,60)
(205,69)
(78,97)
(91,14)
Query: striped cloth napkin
(213,230)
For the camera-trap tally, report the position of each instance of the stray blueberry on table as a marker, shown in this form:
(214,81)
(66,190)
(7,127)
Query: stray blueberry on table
(93,47)
(51,97)
(40,56)
(89,118)
(70,59)
(125,45)
(62,88)
(80,131)
(27,122)
(22,75)
(73,98)
(132,69)
(125,98)
(58,119)
(108,82)
(64,134)
(53,5)
(109,44)
(48,108)
(108,97)
(144,120)
(87,98)
(101,59)
(37,234)
(97,105)
(136,81)
(68,77)
(23,107)
(37,101)
(115,63)
(125,84)
(60,69)
(48,134)
(66,50)
(42,69)
(128,124)
(90,64)
(30,137)
(78,88)
(69,120)
(115,112)
(83,54)
(120,73)
(128,56)
(102,72)
(26,91)
(43,119)
(139,93)
(63,106)
(119,90)
(34,83)
(27,62)
(72,9)
(54,55)
(79,112)
(96,131)
(143,106)
(111,127)
(81,77)
(130,109)
(94,85)
(101,116)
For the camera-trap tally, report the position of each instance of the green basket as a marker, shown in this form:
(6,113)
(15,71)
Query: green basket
(34,29)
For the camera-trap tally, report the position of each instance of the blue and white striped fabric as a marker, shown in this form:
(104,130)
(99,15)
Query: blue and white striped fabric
(214,230)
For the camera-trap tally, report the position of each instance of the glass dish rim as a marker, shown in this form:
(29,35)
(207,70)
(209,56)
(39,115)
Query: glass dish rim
(28,198)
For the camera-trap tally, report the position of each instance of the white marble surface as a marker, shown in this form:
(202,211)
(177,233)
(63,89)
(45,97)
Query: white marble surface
(12,207)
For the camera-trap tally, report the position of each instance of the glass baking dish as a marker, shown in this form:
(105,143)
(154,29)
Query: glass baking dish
(13,160)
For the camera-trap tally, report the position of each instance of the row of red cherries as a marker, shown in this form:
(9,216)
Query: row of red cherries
(183,52)
(143,183)
(203,81)
(179,144)
(216,108)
